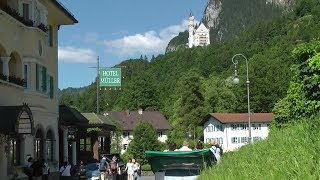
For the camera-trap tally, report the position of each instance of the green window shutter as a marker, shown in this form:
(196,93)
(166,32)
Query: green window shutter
(51,87)
(37,77)
(50,36)
(44,79)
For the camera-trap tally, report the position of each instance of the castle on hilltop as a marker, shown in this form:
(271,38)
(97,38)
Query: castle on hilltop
(198,36)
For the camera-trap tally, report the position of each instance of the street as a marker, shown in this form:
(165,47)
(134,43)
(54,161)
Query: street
(148,178)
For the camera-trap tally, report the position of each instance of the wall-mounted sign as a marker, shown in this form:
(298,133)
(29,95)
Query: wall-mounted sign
(110,77)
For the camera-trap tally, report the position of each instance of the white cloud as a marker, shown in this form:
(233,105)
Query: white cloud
(148,43)
(76,55)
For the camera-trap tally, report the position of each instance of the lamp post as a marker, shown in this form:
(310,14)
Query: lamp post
(236,81)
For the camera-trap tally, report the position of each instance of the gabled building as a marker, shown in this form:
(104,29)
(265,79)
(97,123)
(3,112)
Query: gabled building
(29,83)
(129,119)
(230,130)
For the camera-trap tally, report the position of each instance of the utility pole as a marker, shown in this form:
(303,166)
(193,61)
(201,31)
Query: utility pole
(98,68)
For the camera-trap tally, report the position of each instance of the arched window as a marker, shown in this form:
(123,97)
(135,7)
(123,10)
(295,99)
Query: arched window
(39,144)
(49,146)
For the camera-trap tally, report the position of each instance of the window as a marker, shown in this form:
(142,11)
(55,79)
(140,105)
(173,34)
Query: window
(85,144)
(14,158)
(233,127)
(234,140)
(51,87)
(26,14)
(41,78)
(256,127)
(125,146)
(126,134)
(38,148)
(243,126)
(49,146)
(160,134)
(244,139)
(50,36)
(256,138)
(26,76)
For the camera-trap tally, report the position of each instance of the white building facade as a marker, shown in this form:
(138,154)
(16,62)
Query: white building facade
(230,130)
(198,36)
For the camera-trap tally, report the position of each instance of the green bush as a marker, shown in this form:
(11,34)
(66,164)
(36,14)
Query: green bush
(146,167)
(288,153)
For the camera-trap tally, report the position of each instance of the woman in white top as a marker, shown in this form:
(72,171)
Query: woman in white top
(129,169)
(65,170)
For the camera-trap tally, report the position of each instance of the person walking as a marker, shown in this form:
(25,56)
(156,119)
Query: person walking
(65,171)
(114,167)
(185,146)
(129,169)
(215,149)
(82,171)
(103,168)
(37,170)
(136,170)
(45,170)
(28,170)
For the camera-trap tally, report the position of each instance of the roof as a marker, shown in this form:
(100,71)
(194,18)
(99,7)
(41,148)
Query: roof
(65,10)
(70,116)
(239,117)
(16,119)
(97,119)
(130,119)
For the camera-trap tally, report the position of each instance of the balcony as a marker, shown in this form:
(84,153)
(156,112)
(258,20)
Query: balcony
(5,8)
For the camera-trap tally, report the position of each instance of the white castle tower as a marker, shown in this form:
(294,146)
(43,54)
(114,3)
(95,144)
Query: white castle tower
(191,30)
(199,36)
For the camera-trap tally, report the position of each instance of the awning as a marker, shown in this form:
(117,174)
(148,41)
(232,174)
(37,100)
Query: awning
(160,161)
(16,120)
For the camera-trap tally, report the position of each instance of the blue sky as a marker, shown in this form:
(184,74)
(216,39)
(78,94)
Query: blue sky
(116,30)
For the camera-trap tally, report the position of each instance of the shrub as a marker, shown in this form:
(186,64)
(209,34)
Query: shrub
(146,167)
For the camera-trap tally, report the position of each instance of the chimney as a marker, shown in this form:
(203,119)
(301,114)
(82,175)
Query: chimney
(128,112)
(140,111)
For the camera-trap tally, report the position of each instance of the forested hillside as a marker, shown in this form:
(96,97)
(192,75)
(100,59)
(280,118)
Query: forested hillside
(189,83)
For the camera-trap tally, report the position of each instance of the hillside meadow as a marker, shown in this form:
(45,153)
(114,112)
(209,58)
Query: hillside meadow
(292,152)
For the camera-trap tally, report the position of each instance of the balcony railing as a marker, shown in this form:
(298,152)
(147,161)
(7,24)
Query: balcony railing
(13,79)
(15,14)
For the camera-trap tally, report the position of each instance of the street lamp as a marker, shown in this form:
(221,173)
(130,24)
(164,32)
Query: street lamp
(236,81)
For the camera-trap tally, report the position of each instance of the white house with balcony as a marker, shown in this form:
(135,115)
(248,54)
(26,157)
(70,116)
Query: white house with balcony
(230,130)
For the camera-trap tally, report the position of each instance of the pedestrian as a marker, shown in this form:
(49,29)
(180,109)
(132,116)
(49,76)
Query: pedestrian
(103,168)
(215,149)
(129,169)
(199,145)
(45,170)
(82,171)
(27,169)
(173,147)
(185,146)
(37,170)
(114,167)
(136,170)
(65,171)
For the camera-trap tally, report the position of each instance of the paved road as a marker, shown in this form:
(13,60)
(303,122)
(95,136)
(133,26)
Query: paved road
(147,178)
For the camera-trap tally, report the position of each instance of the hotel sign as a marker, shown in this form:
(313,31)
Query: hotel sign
(110,77)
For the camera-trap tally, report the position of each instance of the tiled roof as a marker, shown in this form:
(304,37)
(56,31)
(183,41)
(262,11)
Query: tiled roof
(239,117)
(97,119)
(70,116)
(129,119)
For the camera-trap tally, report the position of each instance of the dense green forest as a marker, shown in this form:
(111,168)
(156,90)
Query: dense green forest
(188,84)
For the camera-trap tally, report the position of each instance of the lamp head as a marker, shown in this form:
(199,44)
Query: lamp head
(236,80)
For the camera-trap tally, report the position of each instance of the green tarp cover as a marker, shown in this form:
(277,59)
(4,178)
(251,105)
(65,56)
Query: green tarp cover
(160,161)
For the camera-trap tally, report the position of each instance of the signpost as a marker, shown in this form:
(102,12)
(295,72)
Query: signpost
(110,77)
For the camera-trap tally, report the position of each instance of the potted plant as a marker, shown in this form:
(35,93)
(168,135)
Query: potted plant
(3,77)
